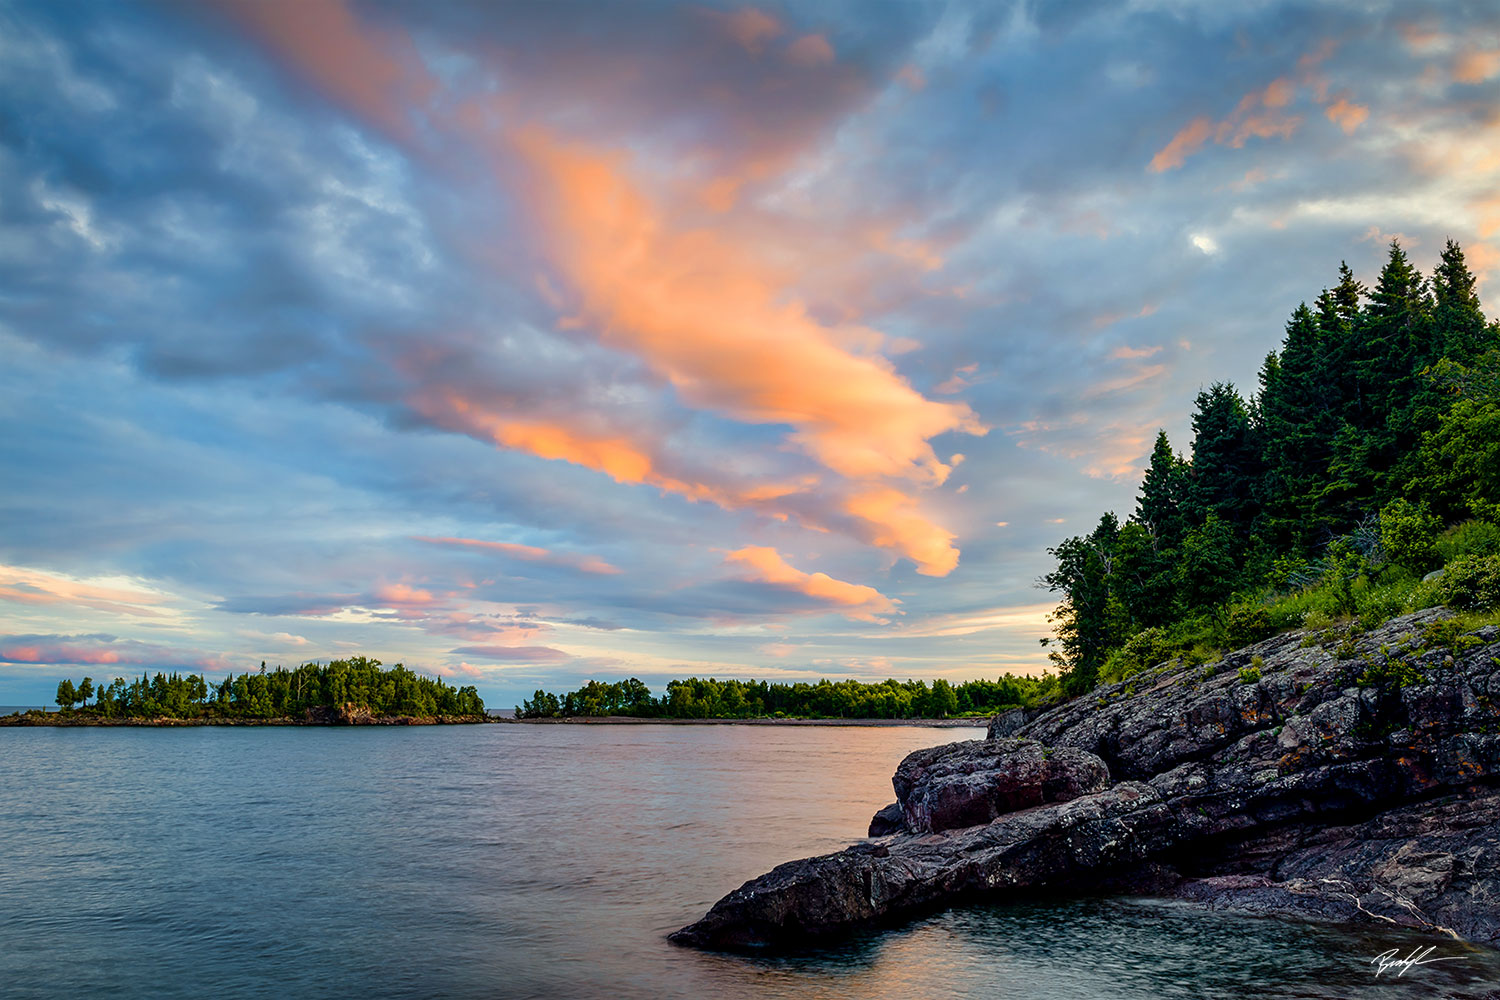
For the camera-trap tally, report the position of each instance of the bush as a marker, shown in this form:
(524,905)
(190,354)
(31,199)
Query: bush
(1145,649)
(1407,533)
(1472,583)
(1472,538)
(1249,675)
(1248,624)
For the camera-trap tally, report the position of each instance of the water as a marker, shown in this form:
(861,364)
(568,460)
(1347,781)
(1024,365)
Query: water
(531,861)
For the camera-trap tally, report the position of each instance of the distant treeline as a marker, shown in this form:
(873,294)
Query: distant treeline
(700,698)
(1369,457)
(273,694)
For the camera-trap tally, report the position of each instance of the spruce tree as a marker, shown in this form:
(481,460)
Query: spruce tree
(1224,477)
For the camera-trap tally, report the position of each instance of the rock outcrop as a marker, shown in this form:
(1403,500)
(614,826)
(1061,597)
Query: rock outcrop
(1335,775)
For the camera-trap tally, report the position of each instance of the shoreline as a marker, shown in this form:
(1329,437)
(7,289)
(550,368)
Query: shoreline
(66,721)
(59,720)
(631,720)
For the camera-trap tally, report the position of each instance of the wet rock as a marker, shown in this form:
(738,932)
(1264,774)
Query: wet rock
(886,821)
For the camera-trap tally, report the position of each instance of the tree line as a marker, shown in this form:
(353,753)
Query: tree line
(273,694)
(710,698)
(1368,457)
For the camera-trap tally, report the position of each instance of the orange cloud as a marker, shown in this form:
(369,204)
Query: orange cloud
(401,595)
(763,564)
(531,553)
(1346,115)
(1188,140)
(893,522)
(1259,114)
(696,306)
(1475,65)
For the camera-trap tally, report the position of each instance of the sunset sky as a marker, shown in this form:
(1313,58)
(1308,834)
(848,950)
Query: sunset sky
(532,342)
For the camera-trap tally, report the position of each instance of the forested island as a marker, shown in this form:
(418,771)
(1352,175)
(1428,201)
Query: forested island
(710,698)
(351,692)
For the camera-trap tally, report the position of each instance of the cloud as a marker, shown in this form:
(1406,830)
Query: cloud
(810,50)
(1126,353)
(1347,115)
(377,72)
(402,595)
(762,564)
(28,586)
(1188,140)
(514,654)
(1476,65)
(531,553)
(721,327)
(751,27)
(103,651)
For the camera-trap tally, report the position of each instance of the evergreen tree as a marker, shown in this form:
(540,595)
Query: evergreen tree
(1225,473)
(1158,506)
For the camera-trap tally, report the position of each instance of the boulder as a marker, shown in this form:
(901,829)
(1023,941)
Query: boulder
(971,783)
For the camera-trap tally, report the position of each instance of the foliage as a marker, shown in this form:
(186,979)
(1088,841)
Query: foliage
(1471,538)
(1408,532)
(710,698)
(1472,583)
(279,693)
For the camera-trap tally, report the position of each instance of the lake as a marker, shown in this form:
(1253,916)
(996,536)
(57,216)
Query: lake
(548,861)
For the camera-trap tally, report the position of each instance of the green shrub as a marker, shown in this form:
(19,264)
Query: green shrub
(1472,583)
(1248,624)
(1249,675)
(1408,532)
(1146,648)
(1390,673)
(1472,538)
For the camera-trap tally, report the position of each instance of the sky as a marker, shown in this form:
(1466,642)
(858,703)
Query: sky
(527,343)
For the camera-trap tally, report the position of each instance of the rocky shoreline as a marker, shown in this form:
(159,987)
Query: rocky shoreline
(1334,775)
(630,720)
(348,715)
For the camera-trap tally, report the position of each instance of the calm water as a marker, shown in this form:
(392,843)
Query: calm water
(519,861)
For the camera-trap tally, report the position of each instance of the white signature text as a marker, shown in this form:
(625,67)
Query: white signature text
(1388,960)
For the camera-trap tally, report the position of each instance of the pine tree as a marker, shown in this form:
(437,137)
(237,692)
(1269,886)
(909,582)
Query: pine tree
(1158,506)
(1224,477)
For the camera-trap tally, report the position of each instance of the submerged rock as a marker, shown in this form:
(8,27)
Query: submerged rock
(1347,777)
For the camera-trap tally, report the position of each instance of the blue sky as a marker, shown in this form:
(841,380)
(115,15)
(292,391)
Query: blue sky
(526,343)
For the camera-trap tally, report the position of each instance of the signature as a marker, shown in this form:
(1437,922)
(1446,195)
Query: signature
(1388,960)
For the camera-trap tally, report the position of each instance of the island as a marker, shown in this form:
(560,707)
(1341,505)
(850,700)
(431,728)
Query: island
(353,691)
